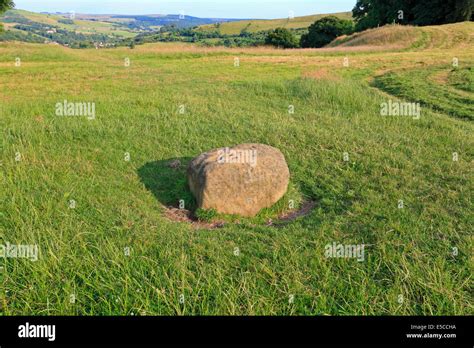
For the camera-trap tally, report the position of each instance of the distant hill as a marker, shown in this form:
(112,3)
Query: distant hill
(119,25)
(255,25)
(15,18)
(180,21)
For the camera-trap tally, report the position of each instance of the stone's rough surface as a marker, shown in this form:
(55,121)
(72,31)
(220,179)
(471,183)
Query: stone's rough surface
(241,180)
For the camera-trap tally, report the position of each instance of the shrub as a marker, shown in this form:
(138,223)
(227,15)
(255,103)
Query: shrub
(281,37)
(326,30)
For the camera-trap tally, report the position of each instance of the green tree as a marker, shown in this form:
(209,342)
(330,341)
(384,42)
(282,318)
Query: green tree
(442,11)
(374,13)
(4,6)
(325,30)
(281,37)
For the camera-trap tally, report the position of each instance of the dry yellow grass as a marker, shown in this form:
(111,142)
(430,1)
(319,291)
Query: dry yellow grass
(400,37)
(395,36)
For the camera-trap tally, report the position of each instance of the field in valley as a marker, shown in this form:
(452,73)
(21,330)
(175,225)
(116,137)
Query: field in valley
(95,194)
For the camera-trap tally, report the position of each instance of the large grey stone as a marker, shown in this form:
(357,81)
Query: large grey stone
(241,180)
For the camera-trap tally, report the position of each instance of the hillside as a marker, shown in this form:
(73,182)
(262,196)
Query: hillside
(15,17)
(397,36)
(233,28)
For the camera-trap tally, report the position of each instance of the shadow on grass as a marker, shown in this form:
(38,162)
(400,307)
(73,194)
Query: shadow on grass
(167,180)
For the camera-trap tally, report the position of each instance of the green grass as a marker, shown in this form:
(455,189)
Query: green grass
(463,79)
(417,85)
(119,204)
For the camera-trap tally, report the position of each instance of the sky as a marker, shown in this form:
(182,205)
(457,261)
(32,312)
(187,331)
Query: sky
(197,8)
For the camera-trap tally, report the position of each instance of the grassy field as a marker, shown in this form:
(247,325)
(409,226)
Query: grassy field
(233,28)
(106,246)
